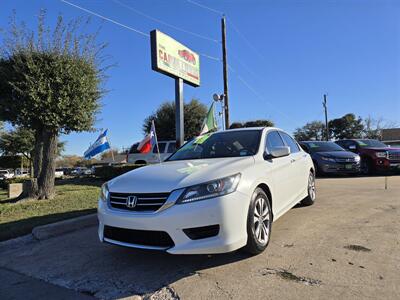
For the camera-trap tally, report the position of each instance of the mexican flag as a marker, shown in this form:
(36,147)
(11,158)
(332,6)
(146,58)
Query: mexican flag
(209,123)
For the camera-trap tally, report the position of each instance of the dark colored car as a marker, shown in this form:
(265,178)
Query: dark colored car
(375,155)
(330,158)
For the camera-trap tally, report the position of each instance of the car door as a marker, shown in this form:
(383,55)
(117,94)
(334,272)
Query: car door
(298,166)
(278,169)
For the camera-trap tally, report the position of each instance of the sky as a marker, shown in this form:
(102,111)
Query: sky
(283,56)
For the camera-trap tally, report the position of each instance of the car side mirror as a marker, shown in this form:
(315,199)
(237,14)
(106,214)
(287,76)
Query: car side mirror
(276,152)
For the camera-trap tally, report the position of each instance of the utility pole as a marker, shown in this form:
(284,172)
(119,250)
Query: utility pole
(326,118)
(179,129)
(225,72)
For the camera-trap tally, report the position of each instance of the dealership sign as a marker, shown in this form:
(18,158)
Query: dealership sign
(174,59)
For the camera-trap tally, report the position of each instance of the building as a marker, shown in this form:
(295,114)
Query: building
(391,137)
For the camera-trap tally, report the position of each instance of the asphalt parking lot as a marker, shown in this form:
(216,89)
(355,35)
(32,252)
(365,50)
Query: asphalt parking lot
(346,246)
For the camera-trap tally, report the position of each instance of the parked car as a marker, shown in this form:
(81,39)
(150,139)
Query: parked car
(59,173)
(330,158)
(375,155)
(166,148)
(82,171)
(213,195)
(6,174)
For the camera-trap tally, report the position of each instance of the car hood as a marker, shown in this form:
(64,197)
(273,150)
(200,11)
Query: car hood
(337,154)
(171,175)
(390,149)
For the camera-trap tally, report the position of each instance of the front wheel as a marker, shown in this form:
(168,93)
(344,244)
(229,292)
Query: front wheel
(259,221)
(310,199)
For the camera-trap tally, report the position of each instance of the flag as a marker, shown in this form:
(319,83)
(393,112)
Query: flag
(100,145)
(209,123)
(149,140)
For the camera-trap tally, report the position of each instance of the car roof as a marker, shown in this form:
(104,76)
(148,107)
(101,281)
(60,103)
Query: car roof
(307,142)
(249,128)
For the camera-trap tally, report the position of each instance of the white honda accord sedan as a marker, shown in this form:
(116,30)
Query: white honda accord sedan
(216,194)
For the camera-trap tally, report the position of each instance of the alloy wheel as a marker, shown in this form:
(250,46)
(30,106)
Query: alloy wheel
(261,220)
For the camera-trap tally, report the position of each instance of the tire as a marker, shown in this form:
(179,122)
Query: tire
(310,199)
(366,166)
(259,212)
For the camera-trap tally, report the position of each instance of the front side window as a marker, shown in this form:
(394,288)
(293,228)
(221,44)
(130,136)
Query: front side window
(220,144)
(171,147)
(290,142)
(371,143)
(274,140)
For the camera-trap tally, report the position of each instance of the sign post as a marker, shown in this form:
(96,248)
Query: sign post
(174,59)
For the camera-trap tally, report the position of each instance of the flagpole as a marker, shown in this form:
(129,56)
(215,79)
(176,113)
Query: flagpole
(155,135)
(112,153)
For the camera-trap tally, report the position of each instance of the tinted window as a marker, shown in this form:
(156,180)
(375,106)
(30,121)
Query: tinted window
(134,149)
(171,148)
(371,143)
(161,146)
(220,144)
(290,142)
(274,140)
(323,147)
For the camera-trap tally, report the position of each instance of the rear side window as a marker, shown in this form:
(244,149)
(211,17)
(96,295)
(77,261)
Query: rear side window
(274,140)
(171,148)
(134,149)
(290,142)
(161,146)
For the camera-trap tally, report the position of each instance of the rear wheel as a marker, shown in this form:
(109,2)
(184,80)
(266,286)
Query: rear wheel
(259,221)
(310,199)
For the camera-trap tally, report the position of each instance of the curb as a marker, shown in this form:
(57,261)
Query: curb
(45,232)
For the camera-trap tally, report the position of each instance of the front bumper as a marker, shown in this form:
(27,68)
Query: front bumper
(229,212)
(340,168)
(383,164)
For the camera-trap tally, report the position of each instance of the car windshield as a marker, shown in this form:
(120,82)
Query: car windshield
(371,143)
(3,172)
(221,144)
(323,147)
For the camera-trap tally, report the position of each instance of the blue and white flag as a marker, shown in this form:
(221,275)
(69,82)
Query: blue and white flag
(100,145)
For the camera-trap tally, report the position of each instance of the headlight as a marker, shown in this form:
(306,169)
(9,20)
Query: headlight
(104,192)
(381,154)
(327,158)
(357,158)
(210,189)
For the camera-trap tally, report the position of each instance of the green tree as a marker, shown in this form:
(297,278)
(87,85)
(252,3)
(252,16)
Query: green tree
(255,123)
(164,120)
(50,82)
(346,127)
(314,130)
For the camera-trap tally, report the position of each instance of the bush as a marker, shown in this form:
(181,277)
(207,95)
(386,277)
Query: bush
(110,172)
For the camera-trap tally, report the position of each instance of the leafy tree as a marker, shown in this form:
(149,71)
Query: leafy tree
(255,123)
(164,120)
(314,130)
(50,82)
(348,126)
(17,141)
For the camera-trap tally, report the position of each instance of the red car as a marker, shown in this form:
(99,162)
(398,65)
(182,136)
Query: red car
(375,155)
(186,55)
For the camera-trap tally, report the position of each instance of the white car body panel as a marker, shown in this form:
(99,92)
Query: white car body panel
(285,177)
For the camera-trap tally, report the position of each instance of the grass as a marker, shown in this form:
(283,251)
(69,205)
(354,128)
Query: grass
(73,198)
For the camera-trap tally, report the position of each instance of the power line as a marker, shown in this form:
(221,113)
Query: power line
(106,18)
(243,37)
(258,95)
(205,7)
(163,22)
(125,26)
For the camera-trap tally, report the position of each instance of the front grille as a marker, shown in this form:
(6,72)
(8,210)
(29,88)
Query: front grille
(139,237)
(394,156)
(144,202)
(345,160)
